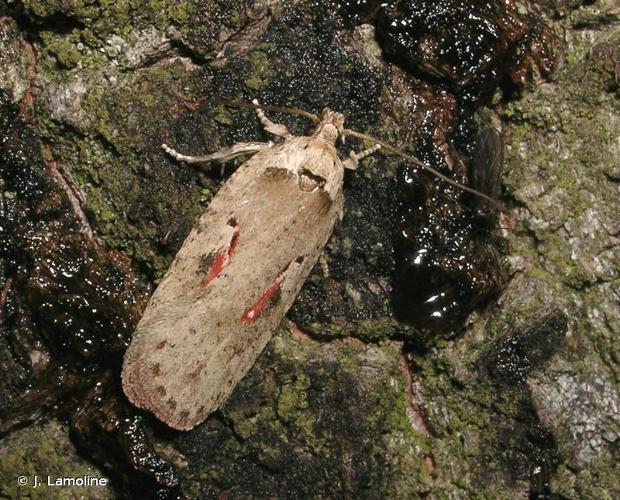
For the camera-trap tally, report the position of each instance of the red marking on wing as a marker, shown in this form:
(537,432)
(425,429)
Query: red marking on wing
(216,268)
(253,313)
(223,256)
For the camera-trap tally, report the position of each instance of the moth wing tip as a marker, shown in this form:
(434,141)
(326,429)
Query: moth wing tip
(131,380)
(179,426)
(128,383)
(175,420)
(137,395)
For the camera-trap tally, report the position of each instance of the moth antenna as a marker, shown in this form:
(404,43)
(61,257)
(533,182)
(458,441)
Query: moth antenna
(266,107)
(431,170)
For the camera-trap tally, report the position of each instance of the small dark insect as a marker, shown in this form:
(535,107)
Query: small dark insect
(485,169)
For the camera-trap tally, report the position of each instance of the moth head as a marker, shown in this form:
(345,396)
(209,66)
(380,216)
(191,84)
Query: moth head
(330,127)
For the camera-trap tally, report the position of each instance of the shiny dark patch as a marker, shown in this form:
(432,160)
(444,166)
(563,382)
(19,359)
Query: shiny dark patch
(77,302)
(355,12)
(450,40)
(517,353)
(448,256)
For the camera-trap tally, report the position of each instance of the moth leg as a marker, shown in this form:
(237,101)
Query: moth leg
(239,149)
(275,128)
(354,158)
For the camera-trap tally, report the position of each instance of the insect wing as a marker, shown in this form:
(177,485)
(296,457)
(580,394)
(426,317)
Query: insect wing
(235,277)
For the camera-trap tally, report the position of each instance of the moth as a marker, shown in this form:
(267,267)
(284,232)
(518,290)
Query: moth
(238,272)
(241,267)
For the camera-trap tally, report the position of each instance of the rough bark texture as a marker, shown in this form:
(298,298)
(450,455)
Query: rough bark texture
(355,398)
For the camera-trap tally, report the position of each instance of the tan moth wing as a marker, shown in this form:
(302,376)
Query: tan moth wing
(235,277)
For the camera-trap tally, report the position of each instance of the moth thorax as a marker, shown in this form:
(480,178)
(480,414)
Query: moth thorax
(330,127)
